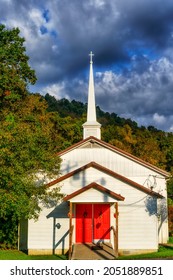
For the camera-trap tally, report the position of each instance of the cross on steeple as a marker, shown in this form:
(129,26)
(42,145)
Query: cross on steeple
(91,55)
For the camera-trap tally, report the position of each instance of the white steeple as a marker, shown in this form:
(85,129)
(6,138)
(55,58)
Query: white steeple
(91,127)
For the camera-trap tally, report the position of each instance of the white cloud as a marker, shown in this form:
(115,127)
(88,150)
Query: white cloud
(56,90)
(159,119)
(142,96)
(35,16)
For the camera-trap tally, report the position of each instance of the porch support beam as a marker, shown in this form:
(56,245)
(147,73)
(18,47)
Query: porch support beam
(116,228)
(70,231)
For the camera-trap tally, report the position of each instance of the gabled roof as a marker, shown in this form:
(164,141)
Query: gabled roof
(109,172)
(95,140)
(94,186)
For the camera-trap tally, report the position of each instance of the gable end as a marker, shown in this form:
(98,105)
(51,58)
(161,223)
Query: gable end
(94,142)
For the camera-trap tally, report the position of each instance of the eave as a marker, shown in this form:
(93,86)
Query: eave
(109,172)
(97,187)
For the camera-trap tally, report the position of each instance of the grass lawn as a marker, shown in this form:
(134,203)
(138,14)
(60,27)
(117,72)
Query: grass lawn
(170,240)
(18,255)
(164,252)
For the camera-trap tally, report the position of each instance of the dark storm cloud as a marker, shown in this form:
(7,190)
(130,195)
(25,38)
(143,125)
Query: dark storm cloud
(113,30)
(133,45)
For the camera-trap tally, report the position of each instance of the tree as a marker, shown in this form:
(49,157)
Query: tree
(27,154)
(27,147)
(15,72)
(170,190)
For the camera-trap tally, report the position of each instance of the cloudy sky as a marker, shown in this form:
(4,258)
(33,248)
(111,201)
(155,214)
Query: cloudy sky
(133,45)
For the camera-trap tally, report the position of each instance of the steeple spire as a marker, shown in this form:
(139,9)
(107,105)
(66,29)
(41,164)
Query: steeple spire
(91,110)
(91,127)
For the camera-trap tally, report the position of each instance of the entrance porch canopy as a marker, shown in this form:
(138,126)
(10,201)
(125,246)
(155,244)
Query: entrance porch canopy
(93,193)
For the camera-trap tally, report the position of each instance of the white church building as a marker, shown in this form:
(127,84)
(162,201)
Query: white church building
(109,196)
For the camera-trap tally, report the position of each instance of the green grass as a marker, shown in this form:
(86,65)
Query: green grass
(164,252)
(170,240)
(18,255)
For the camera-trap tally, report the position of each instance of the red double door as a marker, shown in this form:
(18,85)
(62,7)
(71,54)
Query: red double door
(92,222)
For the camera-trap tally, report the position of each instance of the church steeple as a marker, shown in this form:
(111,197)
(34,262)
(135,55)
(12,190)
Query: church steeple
(91,127)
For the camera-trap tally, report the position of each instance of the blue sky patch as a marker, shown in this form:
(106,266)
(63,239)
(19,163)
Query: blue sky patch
(46,15)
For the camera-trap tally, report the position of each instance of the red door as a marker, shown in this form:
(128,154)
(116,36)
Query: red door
(92,222)
(101,221)
(83,223)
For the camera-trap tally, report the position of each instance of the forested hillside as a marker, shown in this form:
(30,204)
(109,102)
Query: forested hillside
(148,143)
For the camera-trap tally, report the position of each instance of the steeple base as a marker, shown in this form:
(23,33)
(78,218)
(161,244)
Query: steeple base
(91,129)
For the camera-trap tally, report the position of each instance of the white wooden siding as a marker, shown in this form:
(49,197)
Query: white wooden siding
(93,195)
(105,157)
(115,162)
(137,227)
(40,232)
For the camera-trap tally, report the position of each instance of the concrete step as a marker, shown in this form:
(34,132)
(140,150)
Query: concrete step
(91,251)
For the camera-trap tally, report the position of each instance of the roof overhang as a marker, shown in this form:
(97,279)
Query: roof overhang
(94,193)
(109,172)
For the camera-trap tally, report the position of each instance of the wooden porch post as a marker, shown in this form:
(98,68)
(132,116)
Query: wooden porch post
(116,228)
(70,231)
